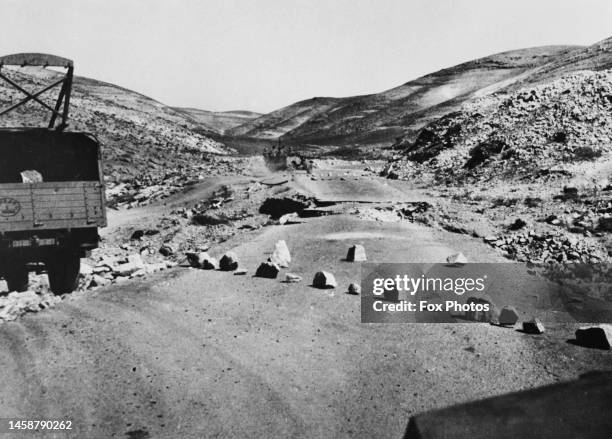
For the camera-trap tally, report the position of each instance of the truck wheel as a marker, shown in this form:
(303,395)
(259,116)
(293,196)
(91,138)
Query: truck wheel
(17,278)
(63,272)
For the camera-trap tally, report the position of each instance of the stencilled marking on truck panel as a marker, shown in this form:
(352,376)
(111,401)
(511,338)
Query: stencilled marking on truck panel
(9,207)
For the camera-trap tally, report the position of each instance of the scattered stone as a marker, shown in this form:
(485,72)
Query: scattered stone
(99,281)
(135,259)
(354,288)
(202,260)
(605,224)
(166,250)
(277,207)
(508,316)
(570,192)
(208,219)
(138,234)
(209,263)
(517,224)
(15,304)
(324,279)
(533,326)
(127,269)
(356,253)
(290,218)
(291,278)
(268,270)
(457,259)
(229,262)
(85,269)
(599,337)
(10,312)
(281,255)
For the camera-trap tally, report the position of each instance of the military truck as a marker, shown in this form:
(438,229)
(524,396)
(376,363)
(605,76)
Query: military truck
(51,183)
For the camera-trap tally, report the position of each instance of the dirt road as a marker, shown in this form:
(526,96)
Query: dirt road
(192,353)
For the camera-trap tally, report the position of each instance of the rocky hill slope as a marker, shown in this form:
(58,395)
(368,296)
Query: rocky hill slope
(380,118)
(218,122)
(563,126)
(140,136)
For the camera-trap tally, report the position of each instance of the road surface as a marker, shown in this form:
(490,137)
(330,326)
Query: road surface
(191,353)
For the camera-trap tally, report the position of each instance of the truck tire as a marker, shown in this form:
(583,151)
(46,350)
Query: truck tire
(17,278)
(63,272)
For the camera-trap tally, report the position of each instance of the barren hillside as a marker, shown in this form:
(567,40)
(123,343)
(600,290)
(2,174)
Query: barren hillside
(279,122)
(218,121)
(380,118)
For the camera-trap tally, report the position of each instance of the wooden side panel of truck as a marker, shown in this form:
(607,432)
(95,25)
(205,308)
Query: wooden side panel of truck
(54,205)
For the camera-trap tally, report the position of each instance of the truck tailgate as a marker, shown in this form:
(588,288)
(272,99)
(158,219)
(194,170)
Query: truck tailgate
(53,205)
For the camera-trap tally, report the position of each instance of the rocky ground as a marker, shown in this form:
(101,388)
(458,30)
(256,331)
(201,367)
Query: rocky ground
(154,231)
(527,171)
(161,341)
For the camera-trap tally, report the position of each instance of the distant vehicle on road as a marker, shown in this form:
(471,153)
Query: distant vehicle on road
(51,187)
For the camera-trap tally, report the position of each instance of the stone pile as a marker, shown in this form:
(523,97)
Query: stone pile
(530,246)
(109,270)
(16,304)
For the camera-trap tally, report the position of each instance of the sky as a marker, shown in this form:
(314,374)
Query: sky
(261,55)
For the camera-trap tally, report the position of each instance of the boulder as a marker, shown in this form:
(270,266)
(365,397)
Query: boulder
(354,288)
(599,337)
(229,262)
(281,255)
(99,281)
(457,259)
(202,260)
(85,269)
(268,270)
(135,259)
(127,269)
(324,279)
(10,312)
(356,253)
(240,272)
(209,263)
(291,278)
(533,326)
(518,224)
(508,316)
(290,218)
(31,176)
(166,250)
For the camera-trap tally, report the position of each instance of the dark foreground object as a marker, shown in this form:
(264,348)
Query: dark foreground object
(577,409)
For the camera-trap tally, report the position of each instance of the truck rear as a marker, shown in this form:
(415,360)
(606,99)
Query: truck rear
(51,197)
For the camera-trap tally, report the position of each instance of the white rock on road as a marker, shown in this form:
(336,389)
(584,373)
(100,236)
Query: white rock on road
(281,255)
(356,253)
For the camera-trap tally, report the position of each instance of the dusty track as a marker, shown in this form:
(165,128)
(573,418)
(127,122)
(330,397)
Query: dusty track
(193,353)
